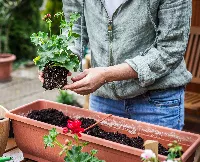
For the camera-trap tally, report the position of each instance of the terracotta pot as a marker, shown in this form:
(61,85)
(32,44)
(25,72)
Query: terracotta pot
(29,135)
(6,61)
(4,130)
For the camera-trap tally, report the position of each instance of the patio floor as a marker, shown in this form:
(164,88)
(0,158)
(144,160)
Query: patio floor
(24,88)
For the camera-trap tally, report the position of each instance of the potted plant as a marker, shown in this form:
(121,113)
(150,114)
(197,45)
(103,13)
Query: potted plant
(55,59)
(6,59)
(4,130)
(29,134)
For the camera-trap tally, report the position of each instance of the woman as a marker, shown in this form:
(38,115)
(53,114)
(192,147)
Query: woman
(137,56)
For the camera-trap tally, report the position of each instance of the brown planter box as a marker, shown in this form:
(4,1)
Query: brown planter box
(29,135)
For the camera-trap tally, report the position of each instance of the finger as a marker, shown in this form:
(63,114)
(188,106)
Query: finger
(41,78)
(79,76)
(69,74)
(40,73)
(76,85)
(81,92)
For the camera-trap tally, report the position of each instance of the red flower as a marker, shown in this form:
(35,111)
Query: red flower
(65,130)
(75,127)
(48,15)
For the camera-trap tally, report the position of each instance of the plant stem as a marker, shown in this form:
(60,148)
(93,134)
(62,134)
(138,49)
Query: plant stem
(98,122)
(50,29)
(60,27)
(58,143)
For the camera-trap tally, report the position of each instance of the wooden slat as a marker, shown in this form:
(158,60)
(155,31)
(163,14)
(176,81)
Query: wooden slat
(192,101)
(192,54)
(188,51)
(196,55)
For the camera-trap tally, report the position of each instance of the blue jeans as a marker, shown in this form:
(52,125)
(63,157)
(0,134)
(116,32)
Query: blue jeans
(159,107)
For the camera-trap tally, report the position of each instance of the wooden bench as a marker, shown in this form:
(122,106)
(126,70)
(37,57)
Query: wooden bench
(192,59)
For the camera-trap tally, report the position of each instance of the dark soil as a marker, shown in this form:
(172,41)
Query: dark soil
(55,117)
(50,116)
(54,77)
(1,118)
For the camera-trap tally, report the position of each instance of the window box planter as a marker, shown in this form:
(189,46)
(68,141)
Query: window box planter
(6,61)
(4,130)
(29,135)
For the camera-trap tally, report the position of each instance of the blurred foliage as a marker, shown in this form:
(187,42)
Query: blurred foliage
(6,10)
(19,19)
(65,98)
(52,7)
(25,20)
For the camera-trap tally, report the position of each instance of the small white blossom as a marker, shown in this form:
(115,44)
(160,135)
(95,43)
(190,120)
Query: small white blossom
(171,161)
(148,154)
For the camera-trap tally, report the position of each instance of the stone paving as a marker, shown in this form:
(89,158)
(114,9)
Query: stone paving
(24,88)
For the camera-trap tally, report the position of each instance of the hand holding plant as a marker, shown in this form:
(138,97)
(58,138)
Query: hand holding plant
(55,59)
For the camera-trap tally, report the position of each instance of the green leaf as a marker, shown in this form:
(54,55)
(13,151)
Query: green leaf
(63,24)
(36,59)
(48,141)
(75,155)
(93,152)
(75,35)
(85,144)
(39,38)
(53,133)
(74,17)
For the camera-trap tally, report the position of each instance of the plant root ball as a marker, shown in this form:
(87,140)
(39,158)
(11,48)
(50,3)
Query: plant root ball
(54,77)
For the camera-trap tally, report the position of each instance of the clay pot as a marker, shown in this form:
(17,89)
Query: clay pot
(29,135)
(4,130)
(6,61)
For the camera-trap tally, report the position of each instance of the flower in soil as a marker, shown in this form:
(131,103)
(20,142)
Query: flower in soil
(73,151)
(65,130)
(148,156)
(75,127)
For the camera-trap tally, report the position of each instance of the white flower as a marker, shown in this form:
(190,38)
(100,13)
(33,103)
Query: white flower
(148,154)
(171,161)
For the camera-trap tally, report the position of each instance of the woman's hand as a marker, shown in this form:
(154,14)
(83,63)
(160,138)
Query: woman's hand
(88,81)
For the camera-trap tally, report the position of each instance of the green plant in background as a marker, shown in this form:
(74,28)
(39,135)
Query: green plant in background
(7,8)
(54,49)
(24,21)
(65,97)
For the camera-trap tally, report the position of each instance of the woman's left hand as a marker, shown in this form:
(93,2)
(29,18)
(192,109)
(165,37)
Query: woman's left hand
(88,81)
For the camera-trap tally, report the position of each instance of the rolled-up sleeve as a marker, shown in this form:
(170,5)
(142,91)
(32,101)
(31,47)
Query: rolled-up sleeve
(173,32)
(72,6)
